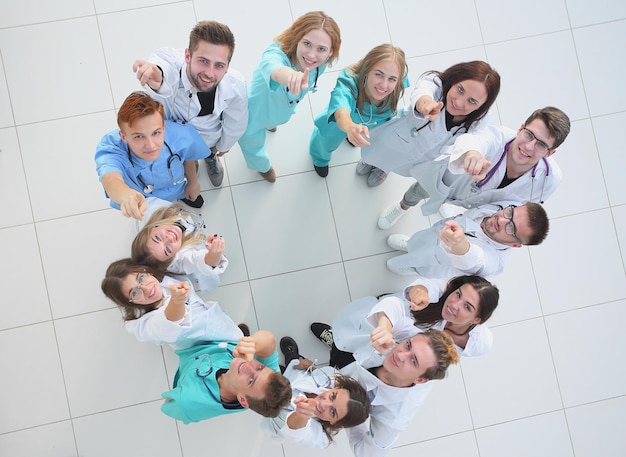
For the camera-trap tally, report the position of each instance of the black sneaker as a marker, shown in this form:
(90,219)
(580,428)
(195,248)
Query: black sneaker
(289,348)
(321,171)
(197,203)
(323,332)
(244,329)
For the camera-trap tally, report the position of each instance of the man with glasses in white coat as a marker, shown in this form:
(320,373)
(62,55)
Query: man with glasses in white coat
(495,164)
(478,241)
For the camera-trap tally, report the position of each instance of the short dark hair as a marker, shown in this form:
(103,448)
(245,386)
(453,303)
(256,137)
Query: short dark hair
(557,123)
(212,32)
(277,396)
(538,222)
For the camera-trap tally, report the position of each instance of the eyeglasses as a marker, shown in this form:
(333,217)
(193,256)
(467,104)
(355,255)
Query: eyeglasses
(137,292)
(540,147)
(319,376)
(510,228)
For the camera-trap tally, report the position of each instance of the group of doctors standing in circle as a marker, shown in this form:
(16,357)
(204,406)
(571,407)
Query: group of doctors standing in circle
(384,351)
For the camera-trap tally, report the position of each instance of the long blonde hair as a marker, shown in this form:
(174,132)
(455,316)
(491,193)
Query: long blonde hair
(362,68)
(162,216)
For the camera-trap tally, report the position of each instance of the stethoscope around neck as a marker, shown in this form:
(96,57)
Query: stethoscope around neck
(148,188)
(492,171)
(204,368)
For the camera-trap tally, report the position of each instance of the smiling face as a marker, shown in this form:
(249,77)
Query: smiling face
(461,306)
(523,153)
(207,65)
(247,379)
(381,80)
(409,360)
(164,242)
(313,50)
(142,289)
(146,136)
(332,405)
(494,226)
(465,97)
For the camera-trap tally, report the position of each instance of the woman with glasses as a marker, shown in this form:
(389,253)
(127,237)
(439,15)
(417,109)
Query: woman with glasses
(162,310)
(365,95)
(443,106)
(323,402)
(173,241)
(288,70)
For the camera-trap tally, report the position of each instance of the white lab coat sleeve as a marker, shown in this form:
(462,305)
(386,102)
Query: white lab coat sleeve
(190,261)
(435,287)
(428,84)
(485,141)
(397,311)
(481,260)
(479,343)
(165,59)
(155,327)
(310,436)
(392,306)
(374,440)
(235,116)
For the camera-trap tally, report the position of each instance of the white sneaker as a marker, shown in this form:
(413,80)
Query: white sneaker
(402,271)
(363,168)
(398,242)
(390,216)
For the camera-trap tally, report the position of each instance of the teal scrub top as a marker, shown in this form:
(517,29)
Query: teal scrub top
(269,103)
(191,401)
(344,95)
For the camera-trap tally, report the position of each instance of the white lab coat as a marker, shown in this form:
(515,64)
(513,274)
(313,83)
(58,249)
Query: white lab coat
(189,261)
(229,119)
(397,309)
(430,257)
(201,322)
(536,185)
(312,435)
(393,408)
(408,139)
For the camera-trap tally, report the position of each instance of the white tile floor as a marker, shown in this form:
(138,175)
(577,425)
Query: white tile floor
(75,384)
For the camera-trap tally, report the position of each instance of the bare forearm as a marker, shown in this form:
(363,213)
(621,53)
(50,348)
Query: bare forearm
(265,344)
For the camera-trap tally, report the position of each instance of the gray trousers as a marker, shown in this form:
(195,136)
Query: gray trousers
(415,194)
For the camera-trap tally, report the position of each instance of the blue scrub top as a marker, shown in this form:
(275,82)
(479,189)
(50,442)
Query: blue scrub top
(191,402)
(184,140)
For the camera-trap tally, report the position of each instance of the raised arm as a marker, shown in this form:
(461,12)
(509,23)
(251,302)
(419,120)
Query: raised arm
(132,203)
(261,343)
(294,80)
